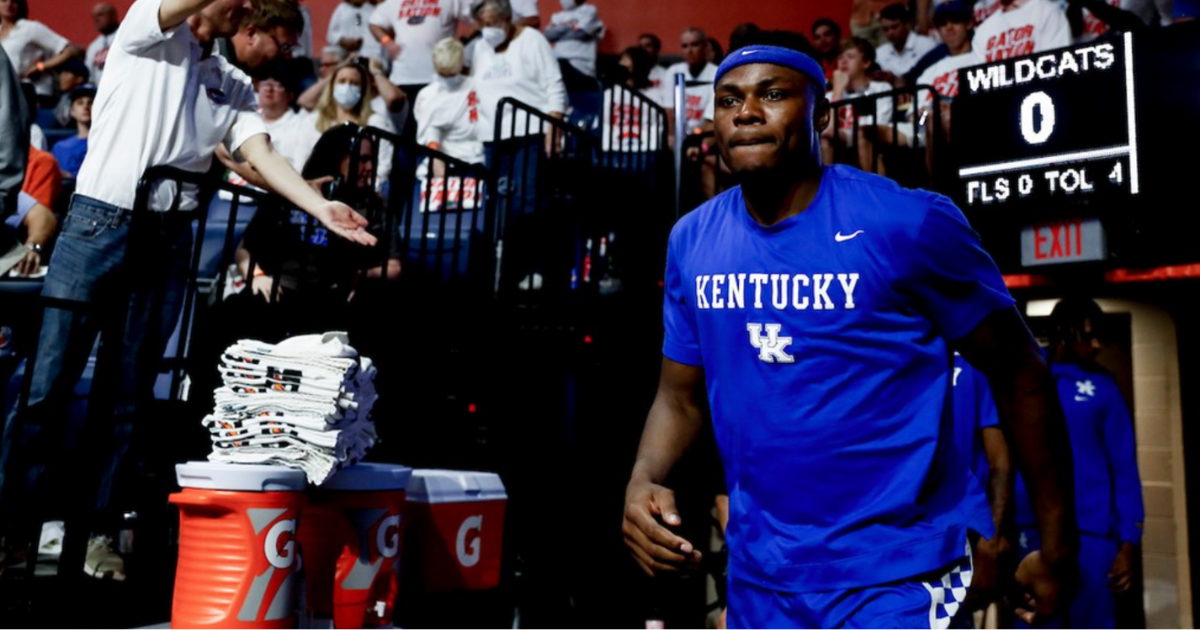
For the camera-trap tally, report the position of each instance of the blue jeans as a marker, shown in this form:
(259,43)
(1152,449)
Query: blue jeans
(132,298)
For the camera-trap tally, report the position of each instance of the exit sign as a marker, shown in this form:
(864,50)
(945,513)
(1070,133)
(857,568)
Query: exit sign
(1056,242)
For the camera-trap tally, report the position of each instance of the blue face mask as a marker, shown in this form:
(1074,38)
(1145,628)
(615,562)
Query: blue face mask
(347,95)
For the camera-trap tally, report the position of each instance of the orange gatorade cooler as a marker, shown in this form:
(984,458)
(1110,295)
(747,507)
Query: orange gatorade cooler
(455,529)
(350,535)
(238,553)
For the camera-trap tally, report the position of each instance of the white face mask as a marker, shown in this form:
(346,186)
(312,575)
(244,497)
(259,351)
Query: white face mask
(567,5)
(493,36)
(347,95)
(451,83)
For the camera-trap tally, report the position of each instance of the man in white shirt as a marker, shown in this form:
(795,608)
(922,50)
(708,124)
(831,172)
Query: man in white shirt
(904,48)
(271,31)
(575,32)
(166,101)
(1022,27)
(350,30)
(104,17)
(408,30)
(698,73)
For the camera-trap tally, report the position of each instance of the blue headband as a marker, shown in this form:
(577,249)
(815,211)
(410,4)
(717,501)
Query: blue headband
(776,55)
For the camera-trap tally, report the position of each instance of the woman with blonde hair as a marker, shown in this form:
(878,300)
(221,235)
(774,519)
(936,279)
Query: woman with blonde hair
(348,98)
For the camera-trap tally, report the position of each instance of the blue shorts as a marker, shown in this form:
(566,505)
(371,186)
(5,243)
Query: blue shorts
(932,600)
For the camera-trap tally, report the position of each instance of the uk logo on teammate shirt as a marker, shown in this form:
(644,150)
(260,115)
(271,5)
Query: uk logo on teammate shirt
(1085,390)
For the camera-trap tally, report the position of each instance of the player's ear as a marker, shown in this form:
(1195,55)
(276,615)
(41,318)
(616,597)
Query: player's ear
(821,111)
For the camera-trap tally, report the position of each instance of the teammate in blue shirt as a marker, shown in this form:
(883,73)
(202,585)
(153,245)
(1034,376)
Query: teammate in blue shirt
(1108,490)
(816,304)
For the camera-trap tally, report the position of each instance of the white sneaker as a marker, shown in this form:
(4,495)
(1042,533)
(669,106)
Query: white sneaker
(52,538)
(102,562)
(534,280)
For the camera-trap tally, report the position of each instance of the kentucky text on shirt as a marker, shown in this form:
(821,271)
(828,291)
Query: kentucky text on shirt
(728,291)
(420,8)
(1046,67)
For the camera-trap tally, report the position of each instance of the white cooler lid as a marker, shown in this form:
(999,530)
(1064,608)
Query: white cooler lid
(454,486)
(244,477)
(366,477)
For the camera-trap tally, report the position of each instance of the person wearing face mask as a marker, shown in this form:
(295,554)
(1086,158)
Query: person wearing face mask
(515,61)
(575,32)
(348,97)
(447,111)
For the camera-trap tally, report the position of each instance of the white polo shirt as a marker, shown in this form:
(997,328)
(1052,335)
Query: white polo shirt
(898,62)
(161,104)
(29,42)
(419,25)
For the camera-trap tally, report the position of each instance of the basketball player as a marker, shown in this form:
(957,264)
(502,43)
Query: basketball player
(817,305)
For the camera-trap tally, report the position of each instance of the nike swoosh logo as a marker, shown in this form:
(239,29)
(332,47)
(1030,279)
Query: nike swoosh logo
(839,237)
(748,52)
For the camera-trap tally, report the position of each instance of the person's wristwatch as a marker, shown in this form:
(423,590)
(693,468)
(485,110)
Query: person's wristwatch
(35,248)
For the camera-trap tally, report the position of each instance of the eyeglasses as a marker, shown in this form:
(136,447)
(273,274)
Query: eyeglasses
(284,48)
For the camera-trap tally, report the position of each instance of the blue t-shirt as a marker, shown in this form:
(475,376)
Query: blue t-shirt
(70,153)
(1108,489)
(974,411)
(824,345)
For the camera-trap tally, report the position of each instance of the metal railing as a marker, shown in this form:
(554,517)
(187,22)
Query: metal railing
(898,133)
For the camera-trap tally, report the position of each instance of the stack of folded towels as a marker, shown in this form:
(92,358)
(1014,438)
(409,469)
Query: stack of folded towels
(304,403)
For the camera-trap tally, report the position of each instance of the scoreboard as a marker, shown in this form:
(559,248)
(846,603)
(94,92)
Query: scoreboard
(1084,154)
(1060,125)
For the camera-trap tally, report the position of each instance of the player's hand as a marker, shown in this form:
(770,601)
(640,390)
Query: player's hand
(649,511)
(994,562)
(1040,588)
(31,72)
(345,222)
(374,65)
(1121,576)
(393,49)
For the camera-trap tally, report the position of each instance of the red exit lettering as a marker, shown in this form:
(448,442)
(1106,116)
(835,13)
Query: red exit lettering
(1053,241)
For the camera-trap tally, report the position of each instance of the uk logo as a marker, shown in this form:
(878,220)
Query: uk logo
(771,347)
(1086,390)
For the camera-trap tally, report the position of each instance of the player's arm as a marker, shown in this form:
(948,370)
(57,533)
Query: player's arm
(1002,347)
(672,426)
(279,176)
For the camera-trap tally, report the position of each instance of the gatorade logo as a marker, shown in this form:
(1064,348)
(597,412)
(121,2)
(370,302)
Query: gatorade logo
(270,595)
(472,524)
(387,537)
(281,556)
